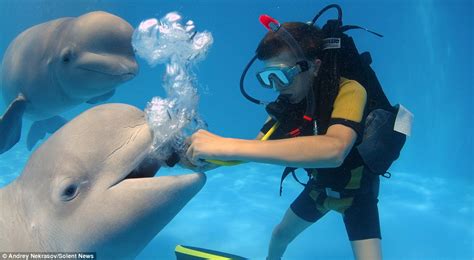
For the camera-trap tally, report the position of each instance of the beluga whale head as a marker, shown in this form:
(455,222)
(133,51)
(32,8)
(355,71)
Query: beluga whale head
(90,188)
(94,54)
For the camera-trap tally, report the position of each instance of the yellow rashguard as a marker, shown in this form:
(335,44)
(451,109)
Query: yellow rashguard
(349,105)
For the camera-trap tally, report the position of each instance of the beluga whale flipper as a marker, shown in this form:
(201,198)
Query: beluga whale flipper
(54,66)
(90,188)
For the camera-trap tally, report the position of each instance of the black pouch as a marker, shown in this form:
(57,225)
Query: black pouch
(380,145)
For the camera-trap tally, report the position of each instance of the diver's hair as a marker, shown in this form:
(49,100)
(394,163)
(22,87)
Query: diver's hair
(310,38)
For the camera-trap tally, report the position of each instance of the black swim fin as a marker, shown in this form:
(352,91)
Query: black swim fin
(11,123)
(196,253)
(39,129)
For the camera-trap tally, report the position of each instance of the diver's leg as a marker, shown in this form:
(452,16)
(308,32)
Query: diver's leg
(288,229)
(363,226)
(367,249)
(303,212)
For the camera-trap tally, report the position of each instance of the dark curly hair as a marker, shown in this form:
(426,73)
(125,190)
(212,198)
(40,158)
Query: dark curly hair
(310,39)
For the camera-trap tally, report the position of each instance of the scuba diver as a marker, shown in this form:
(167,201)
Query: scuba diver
(331,118)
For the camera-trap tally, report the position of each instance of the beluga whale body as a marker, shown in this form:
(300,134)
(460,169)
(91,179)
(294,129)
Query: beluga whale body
(54,66)
(90,188)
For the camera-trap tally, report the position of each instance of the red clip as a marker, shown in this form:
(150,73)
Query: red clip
(270,23)
(295,132)
(307,118)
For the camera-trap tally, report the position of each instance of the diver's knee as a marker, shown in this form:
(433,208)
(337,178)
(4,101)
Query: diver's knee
(281,233)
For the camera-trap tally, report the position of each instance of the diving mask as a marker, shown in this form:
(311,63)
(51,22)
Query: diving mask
(283,76)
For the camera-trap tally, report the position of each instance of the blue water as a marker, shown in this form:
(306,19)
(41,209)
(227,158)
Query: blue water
(425,61)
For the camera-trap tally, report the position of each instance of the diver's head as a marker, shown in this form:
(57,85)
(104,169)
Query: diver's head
(284,71)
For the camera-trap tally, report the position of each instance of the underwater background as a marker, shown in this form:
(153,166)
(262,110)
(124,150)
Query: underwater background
(424,61)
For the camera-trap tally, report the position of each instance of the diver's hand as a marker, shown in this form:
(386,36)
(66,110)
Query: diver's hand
(205,145)
(185,163)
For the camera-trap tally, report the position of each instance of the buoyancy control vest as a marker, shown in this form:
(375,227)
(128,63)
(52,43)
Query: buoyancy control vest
(384,126)
(380,143)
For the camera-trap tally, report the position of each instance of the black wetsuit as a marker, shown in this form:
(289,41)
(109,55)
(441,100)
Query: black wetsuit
(350,189)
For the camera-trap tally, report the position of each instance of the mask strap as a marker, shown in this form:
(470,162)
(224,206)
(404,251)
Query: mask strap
(273,25)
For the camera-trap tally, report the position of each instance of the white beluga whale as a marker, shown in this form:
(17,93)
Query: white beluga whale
(54,66)
(90,188)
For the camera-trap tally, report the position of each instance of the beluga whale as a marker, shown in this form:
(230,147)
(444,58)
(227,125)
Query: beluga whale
(57,65)
(90,188)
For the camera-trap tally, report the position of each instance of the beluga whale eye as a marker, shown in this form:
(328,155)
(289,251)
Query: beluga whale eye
(68,190)
(66,55)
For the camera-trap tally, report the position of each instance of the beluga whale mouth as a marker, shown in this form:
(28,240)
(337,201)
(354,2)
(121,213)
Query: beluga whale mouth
(127,76)
(111,71)
(123,74)
(111,65)
(146,169)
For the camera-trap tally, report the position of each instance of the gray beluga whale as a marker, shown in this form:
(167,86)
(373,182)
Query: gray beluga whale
(54,66)
(89,188)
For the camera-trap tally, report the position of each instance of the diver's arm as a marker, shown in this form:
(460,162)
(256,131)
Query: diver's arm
(185,163)
(323,151)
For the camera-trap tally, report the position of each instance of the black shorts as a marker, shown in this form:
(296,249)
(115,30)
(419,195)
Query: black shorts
(360,213)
